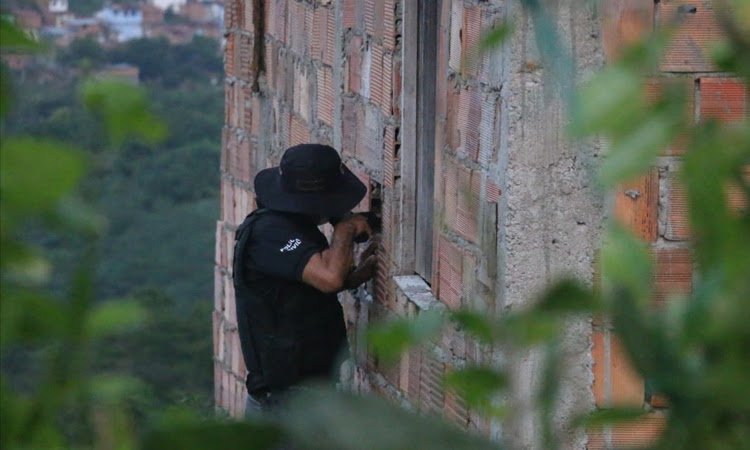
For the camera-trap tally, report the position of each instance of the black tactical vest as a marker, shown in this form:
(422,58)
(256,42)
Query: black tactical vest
(289,331)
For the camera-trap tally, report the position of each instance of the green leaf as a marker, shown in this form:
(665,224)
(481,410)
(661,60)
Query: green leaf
(477,385)
(474,323)
(114,388)
(124,109)
(13,37)
(338,420)
(115,316)
(568,296)
(36,173)
(626,264)
(30,317)
(532,327)
(390,339)
(200,436)
(613,99)
(608,416)
(6,91)
(633,154)
(496,36)
(27,268)
(75,214)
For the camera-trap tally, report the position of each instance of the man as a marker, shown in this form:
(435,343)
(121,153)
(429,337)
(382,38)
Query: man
(287,276)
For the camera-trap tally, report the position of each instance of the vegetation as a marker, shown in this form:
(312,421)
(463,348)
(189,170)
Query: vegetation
(695,352)
(157,194)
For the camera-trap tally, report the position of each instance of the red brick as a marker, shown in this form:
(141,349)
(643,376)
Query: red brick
(350,14)
(678,224)
(270,18)
(325,95)
(230,115)
(377,76)
(280,14)
(369,139)
(673,273)
(450,189)
(374,18)
(247,108)
(456,409)
(296,27)
(724,99)
(637,203)
(247,15)
(386,99)
(317,35)
(616,383)
(641,433)
(431,391)
(467,204)
(330,38)
(492,192)
(310,14)
(257,114)
(389,25)
(695,35)
(469,118)
(247,62)
(389,155)
(655,91)
(299,133)
(472,28)
(625,23)
(415,370)
(230,17)
(270,62)
(450,278)
(364,205)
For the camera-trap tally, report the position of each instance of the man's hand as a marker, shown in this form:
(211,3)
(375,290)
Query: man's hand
(367,265)
(361,225)
(328,271)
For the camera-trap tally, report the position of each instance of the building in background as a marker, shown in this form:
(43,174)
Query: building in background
(124,22)
(483,199)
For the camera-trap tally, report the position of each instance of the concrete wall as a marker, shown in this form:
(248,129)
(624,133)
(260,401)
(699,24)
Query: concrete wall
(515,202)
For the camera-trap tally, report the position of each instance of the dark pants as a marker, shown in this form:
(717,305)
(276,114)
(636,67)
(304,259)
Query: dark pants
(269,402)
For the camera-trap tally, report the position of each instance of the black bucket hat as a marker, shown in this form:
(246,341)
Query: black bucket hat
(311,179)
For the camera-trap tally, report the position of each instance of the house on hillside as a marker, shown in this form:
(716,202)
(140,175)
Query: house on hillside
(125,22)
(483,199)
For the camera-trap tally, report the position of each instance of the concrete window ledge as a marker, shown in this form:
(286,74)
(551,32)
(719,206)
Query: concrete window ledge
(414,295)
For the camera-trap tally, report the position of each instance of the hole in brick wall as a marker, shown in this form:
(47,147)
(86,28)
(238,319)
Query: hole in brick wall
(376,198)
(397,142)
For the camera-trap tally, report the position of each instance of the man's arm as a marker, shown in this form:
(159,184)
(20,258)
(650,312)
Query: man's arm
(328,270)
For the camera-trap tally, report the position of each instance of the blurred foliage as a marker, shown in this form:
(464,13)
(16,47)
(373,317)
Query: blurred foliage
(694,351)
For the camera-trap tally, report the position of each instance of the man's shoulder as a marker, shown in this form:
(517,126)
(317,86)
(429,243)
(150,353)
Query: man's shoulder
(276,220)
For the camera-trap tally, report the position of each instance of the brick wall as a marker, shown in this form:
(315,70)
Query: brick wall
(653,206)
(514,206)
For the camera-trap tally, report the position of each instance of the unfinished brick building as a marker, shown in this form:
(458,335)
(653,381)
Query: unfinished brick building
(483,199)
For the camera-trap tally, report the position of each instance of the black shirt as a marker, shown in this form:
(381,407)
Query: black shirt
(303,326)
